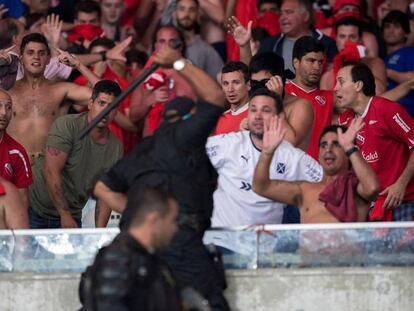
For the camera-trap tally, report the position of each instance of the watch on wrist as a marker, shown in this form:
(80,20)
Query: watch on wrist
(351,150)
(179,64)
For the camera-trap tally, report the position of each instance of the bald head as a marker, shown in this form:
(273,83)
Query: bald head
(5,110)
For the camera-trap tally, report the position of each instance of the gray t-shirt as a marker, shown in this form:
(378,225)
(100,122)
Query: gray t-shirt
(287,51)
(204,56)
(86,160)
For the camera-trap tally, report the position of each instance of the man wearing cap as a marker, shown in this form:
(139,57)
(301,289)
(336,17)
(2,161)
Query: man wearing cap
(175,158)
(64,176)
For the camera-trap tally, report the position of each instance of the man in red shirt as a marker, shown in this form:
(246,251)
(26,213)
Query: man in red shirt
(14,162)
(385,140)
(235,84)
(308,57)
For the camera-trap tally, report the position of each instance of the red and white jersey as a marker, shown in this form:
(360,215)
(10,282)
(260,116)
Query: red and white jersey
(322,103)
(230,120)
(14,162)
(385,140)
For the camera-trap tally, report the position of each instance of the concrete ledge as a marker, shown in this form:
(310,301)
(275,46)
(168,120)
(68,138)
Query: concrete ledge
(302,289)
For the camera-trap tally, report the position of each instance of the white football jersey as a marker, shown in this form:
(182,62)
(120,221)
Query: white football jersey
(235,157)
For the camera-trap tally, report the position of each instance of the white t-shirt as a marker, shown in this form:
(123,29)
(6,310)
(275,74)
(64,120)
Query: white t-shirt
(235,157)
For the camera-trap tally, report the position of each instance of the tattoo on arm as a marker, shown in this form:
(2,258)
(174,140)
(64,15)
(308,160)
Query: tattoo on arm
(58,197)
(53,151)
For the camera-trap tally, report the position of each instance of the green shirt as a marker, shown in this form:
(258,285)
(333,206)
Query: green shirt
(86,160)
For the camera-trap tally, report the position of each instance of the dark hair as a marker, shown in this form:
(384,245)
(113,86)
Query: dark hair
(264,91)
(397,18)
(268,61)
(136,56)
(260,2)
(107,87)
(331,129)
(34,37)
(349,21)
(32,18)
(141,202)
(8,30)
(196,1)
(259,34)
(87,6)
(179,32)
(105,42)
(305,45)
(361,72)
(237,66)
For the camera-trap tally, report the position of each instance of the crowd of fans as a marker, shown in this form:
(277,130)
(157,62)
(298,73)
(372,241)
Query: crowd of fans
(53,53)
(318,127)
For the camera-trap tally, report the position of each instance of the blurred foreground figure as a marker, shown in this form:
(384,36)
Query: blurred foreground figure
(127,275)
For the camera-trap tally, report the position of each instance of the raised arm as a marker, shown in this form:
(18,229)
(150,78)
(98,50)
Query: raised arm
(277,190)
(203,85)
(368,184)
(242,37)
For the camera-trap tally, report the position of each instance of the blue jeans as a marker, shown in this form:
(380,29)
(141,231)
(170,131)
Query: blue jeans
(48,222)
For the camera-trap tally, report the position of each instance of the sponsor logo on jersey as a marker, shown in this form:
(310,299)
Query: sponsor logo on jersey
(320,99)
(246,186)
(280,168)
(370,157)
(9,169)
(245,158)
(397,118)
(212,151)
(372,122)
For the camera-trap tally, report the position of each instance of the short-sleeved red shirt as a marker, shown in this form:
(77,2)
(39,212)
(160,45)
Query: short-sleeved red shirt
(322,104)
(385,140)
(230,121)
(14,162)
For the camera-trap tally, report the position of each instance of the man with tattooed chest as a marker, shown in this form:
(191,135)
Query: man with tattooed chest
(37,101)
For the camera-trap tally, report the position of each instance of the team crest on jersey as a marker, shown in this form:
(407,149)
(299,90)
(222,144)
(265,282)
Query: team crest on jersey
(360,138)
(9,169)
(280,168)
(320,99)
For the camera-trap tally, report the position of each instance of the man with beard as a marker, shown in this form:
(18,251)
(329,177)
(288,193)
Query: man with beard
(235,156)
(65,175)
(308,57)
(199,52)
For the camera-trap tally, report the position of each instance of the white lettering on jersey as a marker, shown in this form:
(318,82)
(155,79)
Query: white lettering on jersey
(371,157)
(397,118)
(212,151)
(372,122)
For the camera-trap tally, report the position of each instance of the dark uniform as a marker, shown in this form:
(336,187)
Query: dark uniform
(125,276)
(175,157)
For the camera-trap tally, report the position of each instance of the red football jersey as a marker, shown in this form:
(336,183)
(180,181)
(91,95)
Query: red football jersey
(322,102)
(385,140)
(230,121)
(14,162)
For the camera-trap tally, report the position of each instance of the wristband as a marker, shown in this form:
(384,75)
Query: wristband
(103,54)
(351,151)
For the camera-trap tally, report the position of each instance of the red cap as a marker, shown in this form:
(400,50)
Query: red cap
(340,3)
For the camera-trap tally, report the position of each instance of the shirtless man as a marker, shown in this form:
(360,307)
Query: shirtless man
(336,150)
(37,101)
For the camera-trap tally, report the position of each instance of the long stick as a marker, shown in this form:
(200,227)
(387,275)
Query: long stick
(85,131)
